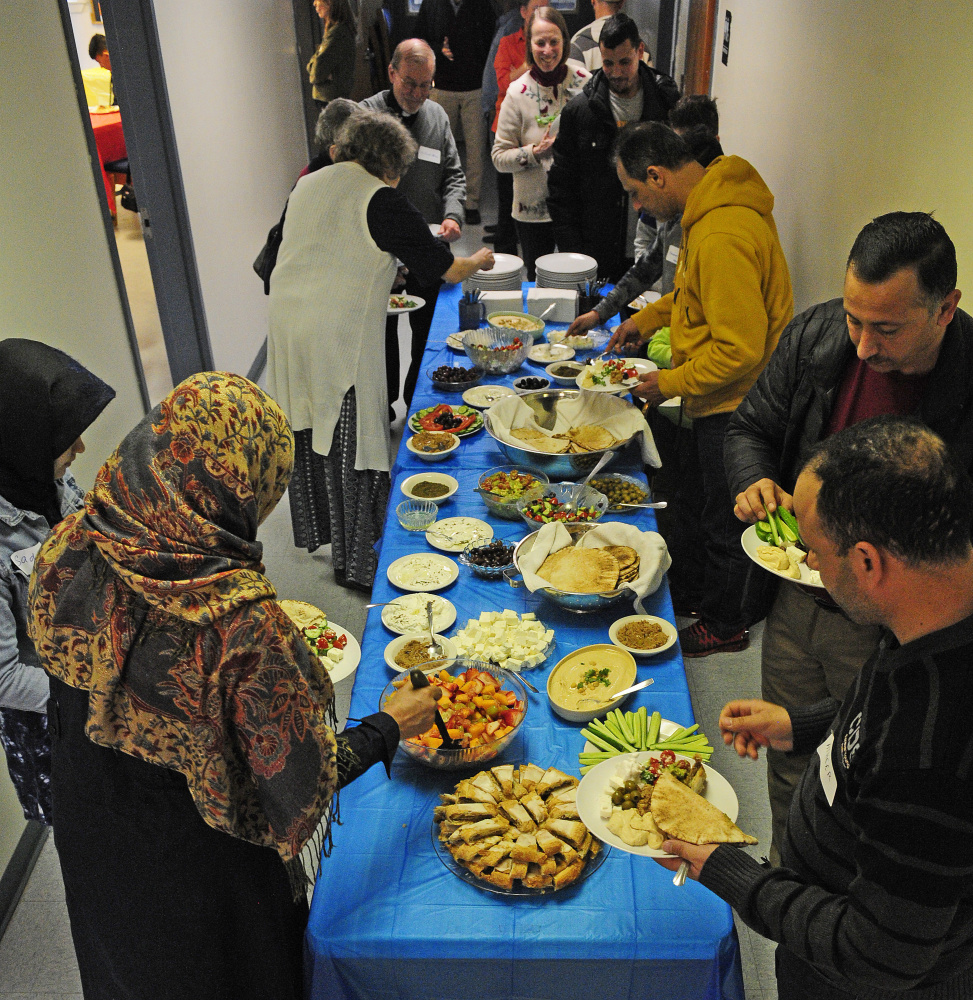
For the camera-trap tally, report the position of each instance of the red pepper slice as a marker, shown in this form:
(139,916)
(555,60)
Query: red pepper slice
(428,422)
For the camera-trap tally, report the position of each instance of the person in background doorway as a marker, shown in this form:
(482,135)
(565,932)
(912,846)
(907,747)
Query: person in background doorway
(97,80)
(331,69)
(527,127)
(434,184)
(459,32)
(47,401)
(345,227)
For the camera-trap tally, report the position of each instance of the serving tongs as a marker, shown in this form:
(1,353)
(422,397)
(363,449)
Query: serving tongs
(420,680)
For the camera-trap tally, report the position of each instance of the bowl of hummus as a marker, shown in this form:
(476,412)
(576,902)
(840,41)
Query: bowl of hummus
(581,683)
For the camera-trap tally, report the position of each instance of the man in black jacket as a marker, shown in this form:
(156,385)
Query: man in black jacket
(590,209)
(895,344)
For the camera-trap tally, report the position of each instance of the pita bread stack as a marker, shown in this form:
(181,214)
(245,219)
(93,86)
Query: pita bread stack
(628,562)
(539,441)
(580,571)
(683,815)
(576,441)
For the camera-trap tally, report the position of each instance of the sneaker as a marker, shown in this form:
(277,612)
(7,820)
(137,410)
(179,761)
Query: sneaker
(489,237)
(473,217)
(697,640)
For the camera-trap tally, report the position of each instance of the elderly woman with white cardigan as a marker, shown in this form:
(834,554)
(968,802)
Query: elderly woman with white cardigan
(527,127)
(345,227)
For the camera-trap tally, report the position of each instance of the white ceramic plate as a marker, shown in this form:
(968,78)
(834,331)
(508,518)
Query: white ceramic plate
(419,303)
(718,791)
(641,366)
(750,542)
(503,264)
(667,627)
(453,534)
(422,572)
(666,729)
(429,477)
(352,652)
(545,354)
(566,263)
(644,299)
(484,396)
(392,649)
(455,341)
(408,613)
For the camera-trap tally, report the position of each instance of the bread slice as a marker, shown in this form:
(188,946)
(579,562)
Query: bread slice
(470,811)
(486,782)
(530,774)
(682,814)
(504,773)
(572,831)
(534,804)
(468,791)
(526,849)
(485,828)
(553,778)
(548,843)
(518,815)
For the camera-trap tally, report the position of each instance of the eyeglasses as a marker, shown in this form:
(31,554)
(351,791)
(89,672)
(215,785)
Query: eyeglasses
(422,88)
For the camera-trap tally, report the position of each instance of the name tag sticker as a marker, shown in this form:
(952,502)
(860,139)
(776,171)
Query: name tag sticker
(826,770)
(430,155)
(23,560)
(672,254)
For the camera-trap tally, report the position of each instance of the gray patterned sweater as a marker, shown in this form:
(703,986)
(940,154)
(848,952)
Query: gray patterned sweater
(877,886)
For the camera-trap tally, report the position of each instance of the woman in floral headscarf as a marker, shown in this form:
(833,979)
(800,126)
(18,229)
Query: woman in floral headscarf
(182,854)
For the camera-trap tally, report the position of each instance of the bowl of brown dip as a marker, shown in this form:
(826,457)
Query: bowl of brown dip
(643,635)
(435,486)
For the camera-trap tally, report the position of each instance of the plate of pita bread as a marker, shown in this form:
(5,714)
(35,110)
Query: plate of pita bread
(516,831)
(590,570)
(701,808)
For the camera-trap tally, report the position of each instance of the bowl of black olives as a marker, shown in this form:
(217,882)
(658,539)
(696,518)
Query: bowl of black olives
(531,383)
(449,378)
(488,559)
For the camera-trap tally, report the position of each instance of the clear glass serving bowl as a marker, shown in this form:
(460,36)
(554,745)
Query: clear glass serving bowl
(507,509)
(583,496)
(484,349)
(487,572)
(416,515)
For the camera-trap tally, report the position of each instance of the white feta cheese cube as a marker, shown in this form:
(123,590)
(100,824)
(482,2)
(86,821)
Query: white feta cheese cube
(335,655)
(510,615)
(529,616)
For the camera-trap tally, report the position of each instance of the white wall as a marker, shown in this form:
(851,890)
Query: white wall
(56,279)
(849,109)
(234,89)
(84,28)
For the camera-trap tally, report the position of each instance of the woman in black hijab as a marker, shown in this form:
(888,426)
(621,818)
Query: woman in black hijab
(47,401)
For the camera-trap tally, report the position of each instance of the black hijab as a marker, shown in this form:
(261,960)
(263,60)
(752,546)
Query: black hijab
(47,401)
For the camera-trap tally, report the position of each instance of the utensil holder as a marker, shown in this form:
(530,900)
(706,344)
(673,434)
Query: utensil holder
(471,314)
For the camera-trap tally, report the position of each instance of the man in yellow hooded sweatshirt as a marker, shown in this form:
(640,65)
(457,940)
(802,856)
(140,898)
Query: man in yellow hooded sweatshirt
(731,300)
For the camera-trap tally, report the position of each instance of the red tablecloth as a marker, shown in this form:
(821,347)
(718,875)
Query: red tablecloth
(111,146)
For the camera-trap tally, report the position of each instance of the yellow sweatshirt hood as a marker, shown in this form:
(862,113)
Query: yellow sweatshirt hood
(735,183)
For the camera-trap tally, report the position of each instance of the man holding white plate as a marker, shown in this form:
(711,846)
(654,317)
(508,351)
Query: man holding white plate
(876,885)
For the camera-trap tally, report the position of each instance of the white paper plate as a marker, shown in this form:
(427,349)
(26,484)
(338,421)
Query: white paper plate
(460,527)
(750,542)
(484,396)
(640,365)
(422,572)
(667,627)
(718,791)
(412,609)
(419,303)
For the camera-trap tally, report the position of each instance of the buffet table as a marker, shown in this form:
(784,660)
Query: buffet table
(389,920)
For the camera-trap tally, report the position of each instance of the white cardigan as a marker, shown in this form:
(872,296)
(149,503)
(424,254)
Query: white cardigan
(328,300)
(518,131)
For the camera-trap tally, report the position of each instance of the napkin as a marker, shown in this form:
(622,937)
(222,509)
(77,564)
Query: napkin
(654,558)
(616,415)
(565,301)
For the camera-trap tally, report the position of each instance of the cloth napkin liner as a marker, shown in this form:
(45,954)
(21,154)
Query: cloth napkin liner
(616,415)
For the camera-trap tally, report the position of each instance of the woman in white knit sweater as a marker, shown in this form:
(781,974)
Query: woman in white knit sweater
(527,127)
(344,229)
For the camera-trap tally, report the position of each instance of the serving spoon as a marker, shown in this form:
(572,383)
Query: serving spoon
(435,649)
(618,694)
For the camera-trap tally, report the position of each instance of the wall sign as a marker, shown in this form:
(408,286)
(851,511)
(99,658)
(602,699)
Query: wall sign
(726,37)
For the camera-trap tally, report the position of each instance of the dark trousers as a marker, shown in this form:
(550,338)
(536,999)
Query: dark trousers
(721,577)
(536,239)
(162,905)
(505,237)
(419,321)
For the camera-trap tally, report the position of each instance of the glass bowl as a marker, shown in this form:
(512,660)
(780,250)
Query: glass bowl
(416,515)
(486,572)
(485,349)
(453,386)
(448,760)
(584,496)
(625,482)
(507,509)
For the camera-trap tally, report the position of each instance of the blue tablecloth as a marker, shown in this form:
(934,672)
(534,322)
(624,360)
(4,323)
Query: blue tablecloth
(388,920)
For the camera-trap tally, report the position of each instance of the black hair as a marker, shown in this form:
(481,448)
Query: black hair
(618,30)
(906,239)
(695,109)
(97,45)
(892,482)
(650,144)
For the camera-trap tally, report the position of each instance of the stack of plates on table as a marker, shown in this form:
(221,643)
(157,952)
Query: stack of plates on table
(506,275)
(565,270)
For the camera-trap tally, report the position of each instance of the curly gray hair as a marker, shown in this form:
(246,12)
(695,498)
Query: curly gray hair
(378,142)
(331,119)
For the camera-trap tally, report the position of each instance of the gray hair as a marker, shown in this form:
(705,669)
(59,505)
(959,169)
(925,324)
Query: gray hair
(376,141)
(330,121)
(415,51)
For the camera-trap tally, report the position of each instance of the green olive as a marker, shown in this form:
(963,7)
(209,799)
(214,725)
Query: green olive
(630,786)
(628,804)
(617,797)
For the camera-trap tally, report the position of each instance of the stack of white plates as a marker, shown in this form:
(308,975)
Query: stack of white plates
(506,275)
(565,270)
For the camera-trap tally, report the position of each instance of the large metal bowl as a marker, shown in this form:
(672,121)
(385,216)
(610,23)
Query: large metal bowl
(544,403)
(580,604)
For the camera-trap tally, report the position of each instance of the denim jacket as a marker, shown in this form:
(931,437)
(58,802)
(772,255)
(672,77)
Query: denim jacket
(23,684)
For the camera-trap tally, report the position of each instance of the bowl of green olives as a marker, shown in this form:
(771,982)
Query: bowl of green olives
(621,490)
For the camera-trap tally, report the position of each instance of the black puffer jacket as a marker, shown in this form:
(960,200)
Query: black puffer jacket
(585,198)
(786,412)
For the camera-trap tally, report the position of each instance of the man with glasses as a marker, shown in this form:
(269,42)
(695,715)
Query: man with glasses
(435,184)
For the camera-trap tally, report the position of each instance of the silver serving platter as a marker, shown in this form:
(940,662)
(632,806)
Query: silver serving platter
(580,604)
(544,403)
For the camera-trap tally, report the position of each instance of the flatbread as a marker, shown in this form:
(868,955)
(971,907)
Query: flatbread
(302,614)
(540,441)
(580,571)
(591,437)
(683,815)
(625,554)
